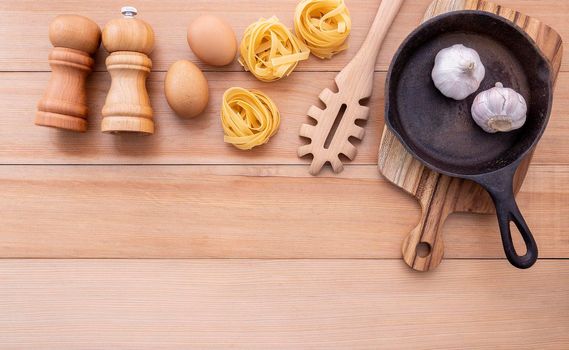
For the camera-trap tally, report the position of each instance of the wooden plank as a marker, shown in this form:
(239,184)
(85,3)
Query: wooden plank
(245,212)
(28,46)
(200,141)
(243,304)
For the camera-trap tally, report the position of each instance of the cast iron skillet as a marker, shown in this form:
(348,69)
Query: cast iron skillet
(440,131)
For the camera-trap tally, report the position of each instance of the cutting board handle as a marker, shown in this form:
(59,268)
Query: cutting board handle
(423,248)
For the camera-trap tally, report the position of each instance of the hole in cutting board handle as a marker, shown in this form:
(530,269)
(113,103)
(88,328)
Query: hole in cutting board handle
(423,249)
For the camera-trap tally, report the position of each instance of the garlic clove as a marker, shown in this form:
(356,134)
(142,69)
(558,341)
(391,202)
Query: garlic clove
(499,109)
(458,72)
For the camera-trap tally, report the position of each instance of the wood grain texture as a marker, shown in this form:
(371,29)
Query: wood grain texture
(333,127)
(423,248)
(200,141)
(75,32)
(127,107)
(127,32)
(244,212)
(64,103)
(482,305)
(170,19)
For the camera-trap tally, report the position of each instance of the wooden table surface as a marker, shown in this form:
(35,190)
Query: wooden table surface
(181,241)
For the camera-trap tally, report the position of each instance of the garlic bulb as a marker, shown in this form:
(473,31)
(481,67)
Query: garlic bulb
(499,109)
(458,71)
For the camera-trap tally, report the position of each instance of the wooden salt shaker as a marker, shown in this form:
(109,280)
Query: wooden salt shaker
(64,106)
(129,42)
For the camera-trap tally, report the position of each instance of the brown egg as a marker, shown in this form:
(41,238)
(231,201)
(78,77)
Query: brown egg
(186,89)
(212,40)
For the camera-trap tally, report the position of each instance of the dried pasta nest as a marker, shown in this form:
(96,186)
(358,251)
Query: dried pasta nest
(249,118)
(270,51)
(323,25)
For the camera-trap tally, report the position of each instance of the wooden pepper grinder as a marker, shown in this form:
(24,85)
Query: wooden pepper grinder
(129,42)
(64,106)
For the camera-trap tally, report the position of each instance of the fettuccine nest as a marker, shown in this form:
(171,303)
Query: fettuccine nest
(270,51)
(323,25)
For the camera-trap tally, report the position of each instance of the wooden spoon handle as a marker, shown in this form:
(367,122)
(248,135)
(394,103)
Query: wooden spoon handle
(384,18)
(358,73)
(423,248)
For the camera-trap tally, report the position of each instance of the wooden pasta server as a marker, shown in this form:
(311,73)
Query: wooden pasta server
(336,124)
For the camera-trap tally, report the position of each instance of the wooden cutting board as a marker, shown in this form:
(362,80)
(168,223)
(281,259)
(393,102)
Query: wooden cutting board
(442,195)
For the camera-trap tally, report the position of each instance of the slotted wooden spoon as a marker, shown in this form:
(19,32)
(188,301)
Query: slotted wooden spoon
(355,83)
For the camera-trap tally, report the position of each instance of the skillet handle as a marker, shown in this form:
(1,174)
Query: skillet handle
(508,211)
